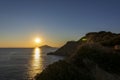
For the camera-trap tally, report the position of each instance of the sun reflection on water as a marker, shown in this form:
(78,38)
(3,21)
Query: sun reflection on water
(37,53)
(36,65)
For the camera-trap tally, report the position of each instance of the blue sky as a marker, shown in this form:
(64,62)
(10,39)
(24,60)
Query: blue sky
(55,21)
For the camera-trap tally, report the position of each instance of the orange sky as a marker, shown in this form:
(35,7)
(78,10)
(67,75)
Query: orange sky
(55,21)
(29,43)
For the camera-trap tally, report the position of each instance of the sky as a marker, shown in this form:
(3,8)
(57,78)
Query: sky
(55,21)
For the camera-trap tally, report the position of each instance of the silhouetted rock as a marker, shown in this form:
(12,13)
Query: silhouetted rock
(104,38)
(90,62)
(107,39)
(46,46)
(62,71)
(91,58)
(47,49)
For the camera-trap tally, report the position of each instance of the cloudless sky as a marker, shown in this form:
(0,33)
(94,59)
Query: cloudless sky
(55,21)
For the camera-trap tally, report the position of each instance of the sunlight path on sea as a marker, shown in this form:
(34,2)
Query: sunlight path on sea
(36,65)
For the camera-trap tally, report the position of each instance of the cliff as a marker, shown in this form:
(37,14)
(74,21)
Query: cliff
(90,62)
(106,39)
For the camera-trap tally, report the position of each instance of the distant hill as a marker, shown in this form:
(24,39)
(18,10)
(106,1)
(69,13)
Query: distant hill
(47,49)
(46,46)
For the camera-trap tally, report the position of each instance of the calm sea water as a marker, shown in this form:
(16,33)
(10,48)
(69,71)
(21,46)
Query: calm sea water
(23,63)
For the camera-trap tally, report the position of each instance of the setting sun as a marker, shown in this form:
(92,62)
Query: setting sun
(37,40)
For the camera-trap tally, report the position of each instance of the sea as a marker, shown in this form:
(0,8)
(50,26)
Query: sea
(24,63)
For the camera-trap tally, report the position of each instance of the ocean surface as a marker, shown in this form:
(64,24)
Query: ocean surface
(23,63)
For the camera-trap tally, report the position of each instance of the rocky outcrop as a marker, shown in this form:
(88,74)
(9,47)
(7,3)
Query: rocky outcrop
(106,39)
(90,62)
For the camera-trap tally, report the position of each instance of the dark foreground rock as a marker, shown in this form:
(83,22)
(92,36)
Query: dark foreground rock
(90,62)
(62,71)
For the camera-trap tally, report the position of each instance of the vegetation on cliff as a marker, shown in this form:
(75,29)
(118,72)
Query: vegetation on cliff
(104,38)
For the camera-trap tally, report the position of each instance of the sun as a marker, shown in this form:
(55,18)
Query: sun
(37,40)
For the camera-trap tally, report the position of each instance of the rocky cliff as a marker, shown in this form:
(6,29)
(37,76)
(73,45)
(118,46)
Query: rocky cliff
(90,62)
(107,39)
(90,58)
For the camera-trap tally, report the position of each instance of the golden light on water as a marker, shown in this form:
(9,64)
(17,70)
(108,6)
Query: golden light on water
(36,65)
(38,62)
(37,53)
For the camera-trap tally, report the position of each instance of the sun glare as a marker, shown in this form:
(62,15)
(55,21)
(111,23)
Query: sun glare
(37,53)
(37,40)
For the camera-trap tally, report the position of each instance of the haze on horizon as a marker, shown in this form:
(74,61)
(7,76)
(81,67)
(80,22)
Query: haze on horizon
(55,21)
